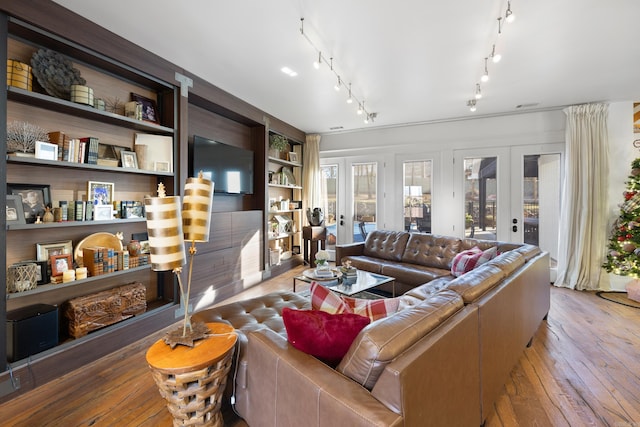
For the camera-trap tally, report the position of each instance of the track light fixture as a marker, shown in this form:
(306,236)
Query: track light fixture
(509,16)
(478,92)
(471,104)
(317,64)
(485,76)
(495,57)
(500,25)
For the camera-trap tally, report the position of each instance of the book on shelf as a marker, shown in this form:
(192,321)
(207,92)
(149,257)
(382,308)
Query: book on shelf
(91,149)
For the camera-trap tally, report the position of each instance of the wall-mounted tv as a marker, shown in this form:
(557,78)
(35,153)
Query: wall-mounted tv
(229,167)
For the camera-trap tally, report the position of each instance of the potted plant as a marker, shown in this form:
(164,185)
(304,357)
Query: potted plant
(278,144)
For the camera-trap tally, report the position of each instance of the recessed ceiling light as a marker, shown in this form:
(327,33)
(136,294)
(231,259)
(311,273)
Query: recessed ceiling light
(288,71)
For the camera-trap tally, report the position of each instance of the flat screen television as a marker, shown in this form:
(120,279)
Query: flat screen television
(229,167)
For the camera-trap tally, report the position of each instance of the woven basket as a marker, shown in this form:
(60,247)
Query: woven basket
(19,74)
(195,398)
(22,277)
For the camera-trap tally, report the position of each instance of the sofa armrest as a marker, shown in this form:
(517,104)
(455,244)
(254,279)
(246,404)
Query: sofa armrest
(289,387)
(350,249)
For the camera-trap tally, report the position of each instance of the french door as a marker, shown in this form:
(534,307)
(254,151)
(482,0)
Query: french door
(510,194)
(350,199)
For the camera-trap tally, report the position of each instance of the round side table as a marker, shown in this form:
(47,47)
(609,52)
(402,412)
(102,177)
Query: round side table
(192,379)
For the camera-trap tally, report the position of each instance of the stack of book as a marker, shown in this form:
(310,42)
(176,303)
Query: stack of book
(323,273)
(76,150)
(99,260)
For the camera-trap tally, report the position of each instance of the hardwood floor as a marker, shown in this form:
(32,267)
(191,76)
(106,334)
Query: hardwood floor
(583,369)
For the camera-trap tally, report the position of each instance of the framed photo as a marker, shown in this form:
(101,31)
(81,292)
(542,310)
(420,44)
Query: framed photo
(144,247)
(42,275)
(295,250)
(60,264)
(149,109)
(100,193)
(102,212)
(293,157)
(15,213)
(129,160)
(162,166)
(34,199)
(45,250)
(46,151)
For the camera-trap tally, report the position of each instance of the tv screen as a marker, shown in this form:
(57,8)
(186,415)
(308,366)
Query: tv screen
(229,167)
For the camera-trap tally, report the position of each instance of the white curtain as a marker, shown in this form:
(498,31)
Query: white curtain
(583,213)
(312,190)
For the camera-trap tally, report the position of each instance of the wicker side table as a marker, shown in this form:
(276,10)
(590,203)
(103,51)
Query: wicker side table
(192,380)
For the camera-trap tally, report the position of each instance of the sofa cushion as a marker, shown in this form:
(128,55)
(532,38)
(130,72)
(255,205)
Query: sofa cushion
(508,261)
(431,250)
(324,299)
(386,244)
(381,341)
(321,334)
(412,274)
(466,261)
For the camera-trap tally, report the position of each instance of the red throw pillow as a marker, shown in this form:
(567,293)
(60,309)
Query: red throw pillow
(468,260)
(322,298)
(320,334)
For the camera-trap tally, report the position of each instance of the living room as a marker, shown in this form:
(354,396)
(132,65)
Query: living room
(443,141)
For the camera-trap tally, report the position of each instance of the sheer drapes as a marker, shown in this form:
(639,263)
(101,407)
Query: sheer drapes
(583,213)
(312,192)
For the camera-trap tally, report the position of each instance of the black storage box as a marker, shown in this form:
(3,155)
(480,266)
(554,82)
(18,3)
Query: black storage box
(30,330)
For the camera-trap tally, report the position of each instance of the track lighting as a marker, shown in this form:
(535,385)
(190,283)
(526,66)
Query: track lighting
(509,16)
(495,57)
(485,76)
(500,26)
(317,64)
(478,92)
(471,104)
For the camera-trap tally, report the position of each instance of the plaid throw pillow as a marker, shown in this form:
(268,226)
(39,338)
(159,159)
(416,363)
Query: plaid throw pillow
(323,299)
(468,260)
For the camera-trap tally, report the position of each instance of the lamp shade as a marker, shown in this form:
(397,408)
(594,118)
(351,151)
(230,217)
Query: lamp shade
(164,226)
(196,209)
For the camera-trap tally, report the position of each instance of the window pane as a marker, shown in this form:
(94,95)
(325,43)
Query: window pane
(330,203)
(365,190)
(481,197)
(417,196)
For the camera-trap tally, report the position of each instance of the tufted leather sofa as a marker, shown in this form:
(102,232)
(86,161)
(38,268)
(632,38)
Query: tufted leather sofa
(442,359)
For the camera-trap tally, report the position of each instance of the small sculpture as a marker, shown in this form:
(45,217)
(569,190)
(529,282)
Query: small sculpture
(315,217)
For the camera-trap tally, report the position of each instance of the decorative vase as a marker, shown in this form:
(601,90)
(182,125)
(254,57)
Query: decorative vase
(315,217)
(48,215)
(134,248)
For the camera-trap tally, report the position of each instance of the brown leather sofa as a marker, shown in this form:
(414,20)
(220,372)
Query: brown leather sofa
(442,359)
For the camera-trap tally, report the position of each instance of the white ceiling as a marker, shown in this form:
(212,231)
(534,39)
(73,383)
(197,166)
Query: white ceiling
(411,61)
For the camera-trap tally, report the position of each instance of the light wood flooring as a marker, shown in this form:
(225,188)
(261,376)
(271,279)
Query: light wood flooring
(583,369)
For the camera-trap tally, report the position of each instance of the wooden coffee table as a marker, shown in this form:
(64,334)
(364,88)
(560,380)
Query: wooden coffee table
(363,281)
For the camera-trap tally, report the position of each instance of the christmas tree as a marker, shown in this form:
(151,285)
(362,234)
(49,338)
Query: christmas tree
(623,257)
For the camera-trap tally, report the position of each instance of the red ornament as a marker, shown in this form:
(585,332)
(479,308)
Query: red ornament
(621,239)
(629,236)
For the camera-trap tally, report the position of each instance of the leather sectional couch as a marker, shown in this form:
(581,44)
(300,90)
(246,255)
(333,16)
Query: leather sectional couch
(441,359)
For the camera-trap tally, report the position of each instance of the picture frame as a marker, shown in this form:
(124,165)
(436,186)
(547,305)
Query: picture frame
(60,263)
(102,212)
(42,275)
(15,212)
(100,193)
(162,166)
(293,157)
(149,108)
(45,250)
(144,247)
(35,198)
(46,151)
(129,160)
(295,250)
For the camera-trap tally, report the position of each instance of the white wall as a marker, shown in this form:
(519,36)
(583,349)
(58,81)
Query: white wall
(439,141)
